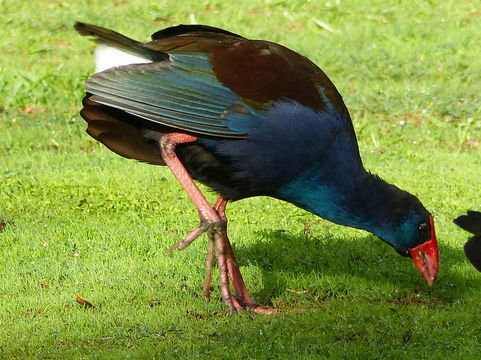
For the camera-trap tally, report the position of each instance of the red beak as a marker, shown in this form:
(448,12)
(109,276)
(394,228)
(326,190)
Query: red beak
(426,257)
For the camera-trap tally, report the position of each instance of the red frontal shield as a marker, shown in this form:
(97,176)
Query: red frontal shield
(426,256)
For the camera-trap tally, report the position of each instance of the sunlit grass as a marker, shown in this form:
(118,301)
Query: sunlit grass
(79,220)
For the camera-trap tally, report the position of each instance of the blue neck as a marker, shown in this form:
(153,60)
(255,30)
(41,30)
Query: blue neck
(347,196)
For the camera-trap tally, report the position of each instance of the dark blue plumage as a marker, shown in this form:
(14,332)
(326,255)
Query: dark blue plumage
(250,118)
(472,222)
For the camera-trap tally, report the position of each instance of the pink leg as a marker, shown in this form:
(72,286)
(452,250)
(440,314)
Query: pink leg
(235,275)
(210,255)
(208,267)
(214,221)
(234,272)
(208,216)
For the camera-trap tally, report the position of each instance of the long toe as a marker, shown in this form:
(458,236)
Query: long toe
(206,289)
(194,234)
(258,309)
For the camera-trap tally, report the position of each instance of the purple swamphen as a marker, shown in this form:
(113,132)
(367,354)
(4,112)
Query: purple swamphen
(246,118)
(472,222)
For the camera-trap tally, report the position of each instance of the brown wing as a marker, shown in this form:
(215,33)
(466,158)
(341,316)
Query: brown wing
(259,71)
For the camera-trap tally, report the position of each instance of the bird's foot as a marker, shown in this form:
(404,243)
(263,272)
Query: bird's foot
(219,247)
(240,306)
(205,226)
(229,275)
(259,309)
(254,307)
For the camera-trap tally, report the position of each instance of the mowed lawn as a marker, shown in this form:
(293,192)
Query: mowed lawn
(78,220)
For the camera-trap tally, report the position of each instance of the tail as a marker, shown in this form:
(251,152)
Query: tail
(470,222)
(119,41)
(107,125)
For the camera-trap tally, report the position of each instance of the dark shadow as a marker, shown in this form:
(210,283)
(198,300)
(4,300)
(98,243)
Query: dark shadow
(366,258)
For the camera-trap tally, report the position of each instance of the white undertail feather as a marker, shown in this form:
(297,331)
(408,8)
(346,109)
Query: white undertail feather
(107,57)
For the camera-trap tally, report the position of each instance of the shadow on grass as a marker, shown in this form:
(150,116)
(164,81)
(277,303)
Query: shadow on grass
(367,261)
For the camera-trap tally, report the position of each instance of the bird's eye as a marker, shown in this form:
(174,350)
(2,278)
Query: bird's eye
(423,227)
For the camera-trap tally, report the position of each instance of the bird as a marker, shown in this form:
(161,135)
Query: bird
(245,118)
(472,222)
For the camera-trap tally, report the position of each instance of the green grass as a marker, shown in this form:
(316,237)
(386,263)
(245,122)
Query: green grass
(80,220)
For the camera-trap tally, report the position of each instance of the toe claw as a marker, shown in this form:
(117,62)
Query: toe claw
(171,248)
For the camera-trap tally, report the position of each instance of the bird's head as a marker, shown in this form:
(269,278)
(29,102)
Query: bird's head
(411,232)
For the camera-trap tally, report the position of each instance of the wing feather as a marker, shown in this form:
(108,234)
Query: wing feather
(182,94)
